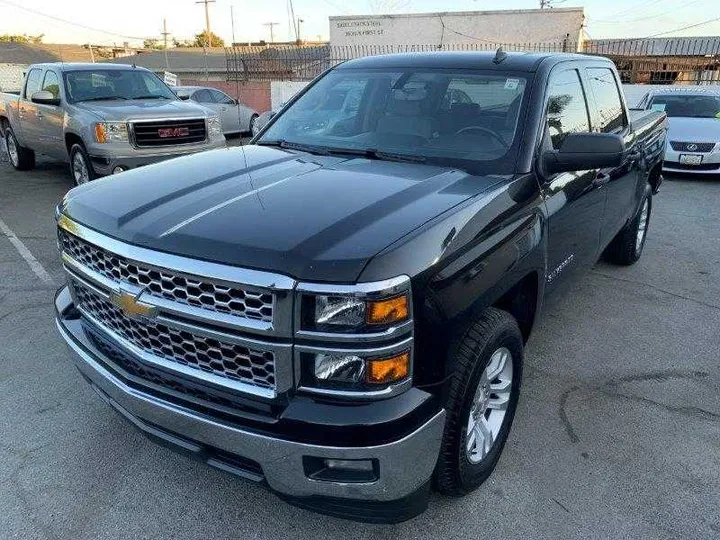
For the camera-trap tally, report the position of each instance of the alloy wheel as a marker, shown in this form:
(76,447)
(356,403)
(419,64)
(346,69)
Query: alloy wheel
(642,226)
(79,168)
(13,151)
(489,406)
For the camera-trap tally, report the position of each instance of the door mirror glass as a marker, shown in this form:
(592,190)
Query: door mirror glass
(44,98)
(583,151)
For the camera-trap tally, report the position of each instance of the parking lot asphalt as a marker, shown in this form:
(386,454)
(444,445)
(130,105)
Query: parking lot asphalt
(617,433)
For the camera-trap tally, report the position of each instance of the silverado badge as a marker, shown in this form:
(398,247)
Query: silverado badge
(129,304)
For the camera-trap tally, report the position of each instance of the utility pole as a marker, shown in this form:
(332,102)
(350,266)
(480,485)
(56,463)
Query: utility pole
(299,20)
(207,18)
(165,33)
(292,12)
(232,25)
(272,32)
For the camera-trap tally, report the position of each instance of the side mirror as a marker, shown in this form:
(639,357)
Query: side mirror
(184,97)
(582,151)
(44,97)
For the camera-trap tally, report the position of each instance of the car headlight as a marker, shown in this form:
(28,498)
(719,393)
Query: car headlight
(360,316)
(106,132)
(214,126)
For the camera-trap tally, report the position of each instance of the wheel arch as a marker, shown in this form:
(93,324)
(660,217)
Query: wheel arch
(72,138)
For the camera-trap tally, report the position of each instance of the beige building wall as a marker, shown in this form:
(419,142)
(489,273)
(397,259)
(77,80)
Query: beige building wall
(467,27)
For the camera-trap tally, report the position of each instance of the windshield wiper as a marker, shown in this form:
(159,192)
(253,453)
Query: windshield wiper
(310,149)
(374,153)
(151,97)
(102,98)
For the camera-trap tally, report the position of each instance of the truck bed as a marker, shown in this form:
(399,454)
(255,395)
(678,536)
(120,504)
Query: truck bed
(644,121)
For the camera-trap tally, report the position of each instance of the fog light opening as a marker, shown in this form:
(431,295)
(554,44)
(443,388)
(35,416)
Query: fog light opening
(341,470)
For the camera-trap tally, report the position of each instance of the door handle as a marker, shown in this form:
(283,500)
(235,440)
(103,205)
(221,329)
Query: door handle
(601,179)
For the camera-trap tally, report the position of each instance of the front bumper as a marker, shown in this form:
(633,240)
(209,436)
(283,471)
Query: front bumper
(104,163)
(404,467)
(710,163)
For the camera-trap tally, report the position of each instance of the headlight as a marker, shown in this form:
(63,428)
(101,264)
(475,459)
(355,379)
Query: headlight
(214,126)
(355,371)
(334,313)
(370,328)
(106,132)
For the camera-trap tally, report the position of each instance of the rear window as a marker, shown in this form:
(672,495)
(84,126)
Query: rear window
(33,82)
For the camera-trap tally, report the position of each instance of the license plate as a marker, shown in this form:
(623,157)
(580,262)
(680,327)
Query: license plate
(689,159)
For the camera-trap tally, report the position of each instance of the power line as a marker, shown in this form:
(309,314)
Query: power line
(35,12)
(636,19)
(684,28)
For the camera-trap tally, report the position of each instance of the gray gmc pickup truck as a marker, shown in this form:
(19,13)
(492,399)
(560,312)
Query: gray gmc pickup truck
(102,118)
(339,310)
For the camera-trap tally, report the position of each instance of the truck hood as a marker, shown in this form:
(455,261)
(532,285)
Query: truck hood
(143,109)
(694,129)
(316,218)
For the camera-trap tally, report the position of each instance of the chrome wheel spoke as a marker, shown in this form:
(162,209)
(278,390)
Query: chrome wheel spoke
(489,406)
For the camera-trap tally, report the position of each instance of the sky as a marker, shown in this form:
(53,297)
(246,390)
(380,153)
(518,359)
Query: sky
(116,21)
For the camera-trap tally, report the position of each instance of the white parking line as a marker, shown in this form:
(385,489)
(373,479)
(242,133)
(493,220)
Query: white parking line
(24,252)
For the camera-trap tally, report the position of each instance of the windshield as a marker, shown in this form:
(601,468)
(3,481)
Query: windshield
(459,118)
(99,85)
(687,105)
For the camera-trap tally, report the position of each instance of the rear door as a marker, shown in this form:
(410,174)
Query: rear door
(28,132)
(50,119)
(609,116)
(574,200)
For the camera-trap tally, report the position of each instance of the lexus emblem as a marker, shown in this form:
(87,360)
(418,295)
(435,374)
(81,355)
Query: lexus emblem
(692,147)
(129,304)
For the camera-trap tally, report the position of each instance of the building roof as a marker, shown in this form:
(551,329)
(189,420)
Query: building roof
(459,13)
(672,46)
(180,60)
(24,53)
(84,66)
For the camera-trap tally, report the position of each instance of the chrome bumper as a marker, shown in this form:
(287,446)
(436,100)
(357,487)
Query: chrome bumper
(405,465)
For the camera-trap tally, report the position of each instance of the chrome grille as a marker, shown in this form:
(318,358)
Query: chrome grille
(169,132)
(209,355)
(193,291)
(679,146)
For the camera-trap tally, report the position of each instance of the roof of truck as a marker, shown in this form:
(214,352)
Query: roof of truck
(513,61)
(85,66)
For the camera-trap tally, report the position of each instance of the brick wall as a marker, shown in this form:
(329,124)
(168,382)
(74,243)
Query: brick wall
(255,94)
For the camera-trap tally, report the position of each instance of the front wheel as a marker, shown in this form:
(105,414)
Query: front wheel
(480,401)
(627,247)
(80,166)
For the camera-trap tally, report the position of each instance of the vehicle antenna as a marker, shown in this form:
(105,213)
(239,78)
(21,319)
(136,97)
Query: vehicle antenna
(500,55)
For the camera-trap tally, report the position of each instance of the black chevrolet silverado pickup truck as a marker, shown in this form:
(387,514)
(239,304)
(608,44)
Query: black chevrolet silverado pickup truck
(339,309)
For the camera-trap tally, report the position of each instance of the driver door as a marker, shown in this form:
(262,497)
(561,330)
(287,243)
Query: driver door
(575,200)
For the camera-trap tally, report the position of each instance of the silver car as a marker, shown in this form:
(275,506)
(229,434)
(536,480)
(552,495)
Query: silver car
(693,127)
(235,117)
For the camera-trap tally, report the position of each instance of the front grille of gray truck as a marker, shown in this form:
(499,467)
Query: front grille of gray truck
(229,328)
(168,132)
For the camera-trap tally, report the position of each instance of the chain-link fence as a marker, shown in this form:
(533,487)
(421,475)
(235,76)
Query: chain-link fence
(637,63)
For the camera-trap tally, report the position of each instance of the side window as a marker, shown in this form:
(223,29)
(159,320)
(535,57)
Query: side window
(33,82)
(52,84)
(203,96)
(566,109)
(607,96)
(220,97)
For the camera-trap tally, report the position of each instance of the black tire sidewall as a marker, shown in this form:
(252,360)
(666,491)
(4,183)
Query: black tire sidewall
(473,474)
(637,252)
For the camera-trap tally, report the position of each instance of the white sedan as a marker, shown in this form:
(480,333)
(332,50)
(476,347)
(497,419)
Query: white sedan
(235,117)
(693,127)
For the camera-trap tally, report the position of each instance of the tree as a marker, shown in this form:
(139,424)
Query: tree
(153,44)
(22,38)
(201,40)
(183,43)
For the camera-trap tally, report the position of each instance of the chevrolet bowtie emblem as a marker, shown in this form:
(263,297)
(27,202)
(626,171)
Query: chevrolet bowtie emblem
(129,304)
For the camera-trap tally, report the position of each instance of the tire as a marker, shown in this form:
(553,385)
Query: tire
(253,119)
(21,158)
(627,247)
(460,471)
(79,159)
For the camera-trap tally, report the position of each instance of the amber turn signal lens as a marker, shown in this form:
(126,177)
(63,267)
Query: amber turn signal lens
(387,311)
(386,370)
(100,133)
